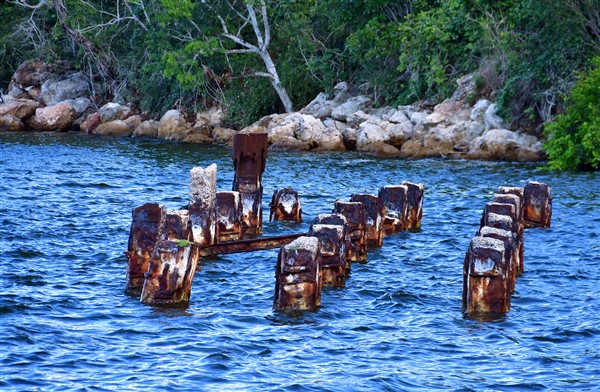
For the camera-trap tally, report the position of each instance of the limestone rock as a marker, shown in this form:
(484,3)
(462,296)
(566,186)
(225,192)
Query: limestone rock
(21,108)
(223,135)
(505,145)
(113,111)
(209,118)
(133,121)
(53,118)
(147,128)
(113,128)
(320,107)
(57,90)
(352,105)
(8,122)
(370,136)
(90,123)
(479,109)
(172,126)
(492,120)
(401,133)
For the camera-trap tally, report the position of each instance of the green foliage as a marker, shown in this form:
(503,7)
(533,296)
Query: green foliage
(574,137)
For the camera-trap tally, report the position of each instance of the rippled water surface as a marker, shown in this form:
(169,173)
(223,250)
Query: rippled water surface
(67,324)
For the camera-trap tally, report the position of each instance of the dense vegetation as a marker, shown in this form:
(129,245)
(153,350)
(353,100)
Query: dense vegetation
(159,54)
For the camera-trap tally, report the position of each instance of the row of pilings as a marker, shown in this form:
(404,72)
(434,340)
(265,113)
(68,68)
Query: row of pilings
(495,257)
(165,246)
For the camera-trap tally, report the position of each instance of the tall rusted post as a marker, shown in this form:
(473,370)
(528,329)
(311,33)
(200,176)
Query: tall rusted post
(171,273)
(414,206)
(203,194)
(147,229)
(285,205)
(332,247)
(537,208)
(374,210)
(249,161)
(394,202)
(228,213)
(356,221)
(510,254)
(484,288)
(297,276)
(504,209)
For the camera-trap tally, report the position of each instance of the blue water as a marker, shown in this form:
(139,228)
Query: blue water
(67,324)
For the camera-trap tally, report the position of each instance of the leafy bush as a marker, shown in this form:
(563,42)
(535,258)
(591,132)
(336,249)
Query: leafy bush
(574,137)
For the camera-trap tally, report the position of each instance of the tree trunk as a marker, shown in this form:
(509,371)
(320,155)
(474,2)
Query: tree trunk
(275,82)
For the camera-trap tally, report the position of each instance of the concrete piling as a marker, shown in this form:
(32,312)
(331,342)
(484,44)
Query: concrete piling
(228,215)
(285,206)
(332,247)
(537,205)
(394,203)
(249,161)
(170,274)
(356,220)
(373,210)
(414,205)
(298,281)
(203,194)
(147,229)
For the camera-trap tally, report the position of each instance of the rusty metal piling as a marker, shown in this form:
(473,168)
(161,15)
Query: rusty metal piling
(228,214)
(414,206)
(356,221)
(373,210)
(332,248)
(394,203)
(537,208)
(285,206)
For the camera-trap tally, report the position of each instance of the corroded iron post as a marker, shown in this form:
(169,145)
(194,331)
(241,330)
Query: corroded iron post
(147,228)
(285,205)
(485,287)
(249,161)
(332,247)
(537,207)
(510,254)
(171,273)
(516,201)
(297,276)
(394,203)
(414,206)
(373,210)
(203,194)
(178,226)
(508,210)
(356,221)
(228,214)
(338,220)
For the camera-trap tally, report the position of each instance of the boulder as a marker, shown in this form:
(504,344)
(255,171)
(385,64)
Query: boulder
(113,128)
(350,136)
(172,126)
(133,121)
(390,114)
(209,118)
(352,105)
(320,107)
(479,109)
(412,148)
(90,123)
(113,111)
(147,128)
(400,133)
(387,151)
(492,120)
(223,135)
(370,137)
(81,105)
(198,138)
(57,90)
(21,108)
(418,118)
(15,90)
(355,119)
(33,72)
(439,142)
(53,118)
(8,122)
(342,92)
(288,144)
(505,145)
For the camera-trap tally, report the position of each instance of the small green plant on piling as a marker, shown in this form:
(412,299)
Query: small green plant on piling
(183,243)
(574,137)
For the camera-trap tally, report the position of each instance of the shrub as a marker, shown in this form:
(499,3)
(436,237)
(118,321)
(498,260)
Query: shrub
(574,137)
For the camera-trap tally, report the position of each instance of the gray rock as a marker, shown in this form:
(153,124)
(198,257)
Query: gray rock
(352,105)
(57,90)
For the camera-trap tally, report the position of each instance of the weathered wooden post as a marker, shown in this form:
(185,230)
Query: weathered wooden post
(414,206)
(484,288)
(394,201)
(228,213)
(537,208)
(147,229)
(356,221)
(373,210)
(510,253)
(285,205)
(332,247)
(297,276)
(203,193)
(249,161)
(171,273)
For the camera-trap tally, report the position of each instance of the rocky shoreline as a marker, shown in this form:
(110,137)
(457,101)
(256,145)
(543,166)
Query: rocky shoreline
(42,98)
